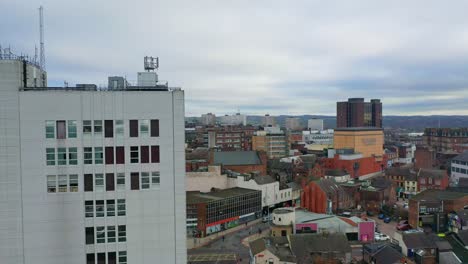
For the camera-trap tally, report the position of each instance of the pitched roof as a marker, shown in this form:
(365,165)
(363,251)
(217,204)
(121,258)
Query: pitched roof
(278,246)
(257,246)
(437,195)
(336,172)
(430,173)
(264,179)
(463,236)
(398,171)
(387,255)
(419,240)
(462,157)
(236,158)
(304,245)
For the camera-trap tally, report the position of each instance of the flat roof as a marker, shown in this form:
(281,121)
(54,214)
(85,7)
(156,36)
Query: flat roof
(199,197)
(358,129)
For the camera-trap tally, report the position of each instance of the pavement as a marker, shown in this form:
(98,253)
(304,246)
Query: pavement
(232,243)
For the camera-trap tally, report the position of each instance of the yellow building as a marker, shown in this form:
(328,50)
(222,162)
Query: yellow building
(365,140)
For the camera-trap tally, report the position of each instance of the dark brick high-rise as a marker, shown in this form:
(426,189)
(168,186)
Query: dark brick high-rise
(357,113)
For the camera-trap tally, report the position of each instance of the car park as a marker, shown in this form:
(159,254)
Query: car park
(381,237)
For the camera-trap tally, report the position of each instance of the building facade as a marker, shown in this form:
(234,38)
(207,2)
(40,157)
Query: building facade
(234,120)
(459,167)
(367,141)
(268,121)
(443,139)
(357,113)
(271,140)
(208,119)
(90,176)
(315,124)
(293,123)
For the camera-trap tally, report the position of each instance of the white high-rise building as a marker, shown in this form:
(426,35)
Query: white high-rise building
(234,120)
(208,119)
(268,121)
(293,123)
(315,124)
(87,175)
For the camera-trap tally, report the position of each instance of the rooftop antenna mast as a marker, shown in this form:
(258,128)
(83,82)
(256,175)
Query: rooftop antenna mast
(41,34)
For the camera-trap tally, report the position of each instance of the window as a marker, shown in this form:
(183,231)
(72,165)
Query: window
(97,127)
(430,180)
(155,128)
(154,178)
(110,207)
(121,210)
(122,233)
(50,129)
(72,131)
(119,128)
(111,234)
(89,209)
(87,128)
(109,155)
(133,128)
(62,156)
(50,156)
(88,182)
(108,128)
(110,184)
(62,183)
(145,180)
(122,257)
(90,258)
(98,155)
(101,258)
(89,231)
(73,183)
(134,154)
(100,208)
(134,181)
(144,127)
(112,256)
(154,154)
(120,155)
(100,234)
(88,155)
(51,183)
(99,181)
(120,181)
(144,151)
(73,156)
(61,130)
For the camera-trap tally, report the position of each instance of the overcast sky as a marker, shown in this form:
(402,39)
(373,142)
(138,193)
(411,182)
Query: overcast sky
(277,57)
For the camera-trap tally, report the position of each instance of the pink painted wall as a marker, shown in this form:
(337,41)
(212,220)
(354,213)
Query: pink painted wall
(366,230)
(312,226)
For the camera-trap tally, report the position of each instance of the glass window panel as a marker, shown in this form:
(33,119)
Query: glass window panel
(100,208)
(89,209)
(73,183)
(110,207)
(134,154)
(121,207)
(144,127)
(111,234)
(88,155)
(62,156)
(72,156)
(99,181)
(155,178)
(120,181)
(50,156)
(122,231)
(100,234)
(98,155)
(61,129)
(62,183)
(119,128)
(50,129)
(145,180)
(122,257)
(51,183)
(87,127)
(97,126)
(72,131)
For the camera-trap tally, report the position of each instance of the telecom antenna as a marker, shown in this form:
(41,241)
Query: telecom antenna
(41,34)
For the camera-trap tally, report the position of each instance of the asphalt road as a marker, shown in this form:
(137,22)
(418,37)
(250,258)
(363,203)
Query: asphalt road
(231,244)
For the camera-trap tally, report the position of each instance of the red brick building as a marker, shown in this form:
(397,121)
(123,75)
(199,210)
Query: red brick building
(356,167)
(226,138)
(424,158)
(432,179)
(443,139)
(325,196)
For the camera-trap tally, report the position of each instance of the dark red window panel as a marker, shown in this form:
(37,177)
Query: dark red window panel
(134,181)
(154,154)
(109,155)
(108,128)
(120,155)
(144,153)
(88,182)
(110,183)
(155,127)
(61,130)
(133,128)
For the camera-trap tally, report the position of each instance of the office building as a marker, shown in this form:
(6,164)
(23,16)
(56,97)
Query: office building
(268,121)
(445,139)
(459,167)
(366,141)
(271,140)
(88,175)
(234,120)
(293,123)
(315,124)
(357,113)
(208,119)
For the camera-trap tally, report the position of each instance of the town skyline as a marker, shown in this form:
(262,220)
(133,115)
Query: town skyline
(290,59)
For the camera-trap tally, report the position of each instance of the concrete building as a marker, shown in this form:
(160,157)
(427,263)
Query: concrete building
(315,124)
(240,161)
(459,167)
(365,140)
(357,113)
(87,175)
(293,123)
(271,140)
(268,121)
(226,138)
(208,119)
(406,153)
(234,120)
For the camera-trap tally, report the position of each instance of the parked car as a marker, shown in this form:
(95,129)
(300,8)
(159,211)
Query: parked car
(346,214)
(405,205)
(403,225)
(387,219)
(381,216)
(266,219)
(381,237)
